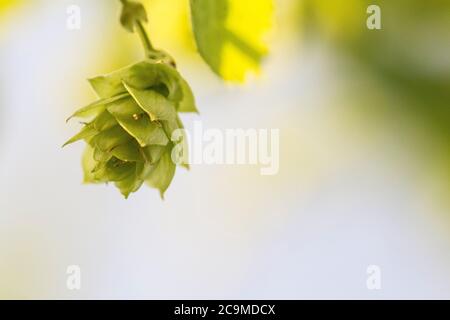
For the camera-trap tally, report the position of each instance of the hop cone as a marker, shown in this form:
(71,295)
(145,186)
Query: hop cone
(128,130)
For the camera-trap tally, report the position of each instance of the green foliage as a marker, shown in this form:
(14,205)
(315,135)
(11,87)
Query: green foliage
(230,34)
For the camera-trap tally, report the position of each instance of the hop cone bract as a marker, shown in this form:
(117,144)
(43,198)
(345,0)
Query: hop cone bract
(128,130)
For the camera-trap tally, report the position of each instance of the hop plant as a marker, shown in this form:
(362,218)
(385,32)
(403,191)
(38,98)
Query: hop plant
(128,131)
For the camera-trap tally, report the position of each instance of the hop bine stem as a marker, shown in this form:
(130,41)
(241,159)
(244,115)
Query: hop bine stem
(148,47)
(138,27)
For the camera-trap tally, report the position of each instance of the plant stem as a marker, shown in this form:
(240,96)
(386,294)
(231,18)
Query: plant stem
(148,47)
(144,38)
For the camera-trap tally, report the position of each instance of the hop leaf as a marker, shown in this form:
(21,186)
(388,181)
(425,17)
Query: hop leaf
(231,35)
(128,130)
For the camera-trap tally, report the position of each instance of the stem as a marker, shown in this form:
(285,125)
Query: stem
(148,47)
(144,38)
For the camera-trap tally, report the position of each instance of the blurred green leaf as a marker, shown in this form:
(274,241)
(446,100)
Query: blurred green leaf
(230,34)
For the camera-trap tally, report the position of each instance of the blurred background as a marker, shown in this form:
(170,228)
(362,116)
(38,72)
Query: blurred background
(364,166)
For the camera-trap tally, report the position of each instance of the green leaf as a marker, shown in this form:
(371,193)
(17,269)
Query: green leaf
(230,34)
(172,125)
(179,139)
(143,170)
(101,156)
(147,74)
(162,175)
(88,164)
(187,103)
(153,153)
(144,75)
(114,170)
(140,75)
(85,133)
(128,152)
(132,13)
(104,121)
(97,107)
(129,185)
(179,90)
(138,124)
(111,138)
(155,105)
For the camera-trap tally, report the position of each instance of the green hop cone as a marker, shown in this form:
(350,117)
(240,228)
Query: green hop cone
(129,130)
